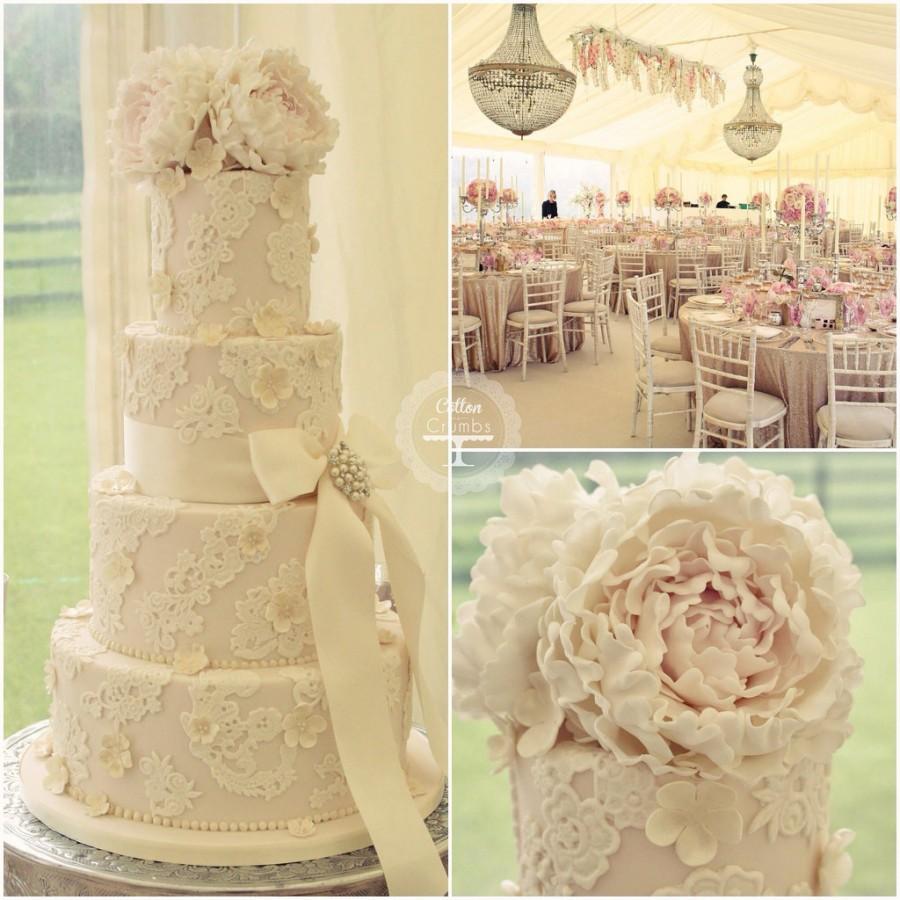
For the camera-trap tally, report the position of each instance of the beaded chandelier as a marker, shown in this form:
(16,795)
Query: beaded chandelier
(752,133)
(521,87)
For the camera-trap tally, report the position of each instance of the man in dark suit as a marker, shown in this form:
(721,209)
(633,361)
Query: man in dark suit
(548,207)
(723,203)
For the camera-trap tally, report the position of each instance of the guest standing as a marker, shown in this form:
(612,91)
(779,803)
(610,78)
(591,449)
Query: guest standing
(548,207)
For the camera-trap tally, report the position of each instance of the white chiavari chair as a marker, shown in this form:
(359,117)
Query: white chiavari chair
(465,329)
(632,264)
(862,393)
(711,278)
(593,309)
(543,297)
(729,408)
(651,291)
(654,377)
(552,246)
(685,284)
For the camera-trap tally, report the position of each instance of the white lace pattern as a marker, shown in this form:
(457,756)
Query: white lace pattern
(169,792)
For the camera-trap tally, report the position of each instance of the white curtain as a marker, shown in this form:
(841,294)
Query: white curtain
(380,212)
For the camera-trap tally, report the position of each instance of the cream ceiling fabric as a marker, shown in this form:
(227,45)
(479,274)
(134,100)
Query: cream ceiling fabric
(829,79)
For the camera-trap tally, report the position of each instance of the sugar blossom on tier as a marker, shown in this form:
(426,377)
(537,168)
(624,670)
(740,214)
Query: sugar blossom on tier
(705,199)
(793,199)
(697,622)
(242,108)
(487,189)
(623,198)
(667,197)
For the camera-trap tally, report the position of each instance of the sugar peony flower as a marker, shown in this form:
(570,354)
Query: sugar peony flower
(268,114)
(699,622)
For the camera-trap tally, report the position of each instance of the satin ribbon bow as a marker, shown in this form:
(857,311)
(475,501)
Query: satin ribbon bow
(340,565)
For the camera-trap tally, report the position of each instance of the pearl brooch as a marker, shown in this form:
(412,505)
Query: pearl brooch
(349,473)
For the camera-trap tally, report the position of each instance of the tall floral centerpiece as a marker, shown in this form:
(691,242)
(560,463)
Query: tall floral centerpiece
(623,201)
(705,201)
(481,197)
(509,199)
(890,204)
(600,203)
(802,210)
(585,199)
(667,198)
(760,200)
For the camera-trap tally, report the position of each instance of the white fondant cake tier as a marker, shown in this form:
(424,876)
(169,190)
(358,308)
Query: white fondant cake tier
(228,245)
(587,825)
(169,578)
(228,750)
(214,847)
(190,405)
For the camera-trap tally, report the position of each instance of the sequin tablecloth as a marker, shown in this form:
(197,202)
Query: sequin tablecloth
(492,296)
(794,370)
(39,862)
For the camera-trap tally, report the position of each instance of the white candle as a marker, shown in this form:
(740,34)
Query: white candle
(802,228)
(501,175)
(478,170)
(487,169)
(762,226)
(787,163)
(778,179)
(816,181)
(837,227)
(827,172)
(879,215)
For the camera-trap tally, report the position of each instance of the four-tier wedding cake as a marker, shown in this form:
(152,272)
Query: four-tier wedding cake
(669,669)
(233,692)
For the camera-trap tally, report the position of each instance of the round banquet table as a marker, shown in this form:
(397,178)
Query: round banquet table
(492,296)
(794,370)
(39,862)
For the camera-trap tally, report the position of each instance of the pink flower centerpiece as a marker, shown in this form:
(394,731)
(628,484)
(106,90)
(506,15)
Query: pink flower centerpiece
(705,200)
(667,198)
(600,202)
(509,197)
(890,204)
(794,197)
(487,189)
(623,198)
(760,198)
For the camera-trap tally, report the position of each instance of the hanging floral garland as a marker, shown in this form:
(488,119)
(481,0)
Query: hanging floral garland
(597,50)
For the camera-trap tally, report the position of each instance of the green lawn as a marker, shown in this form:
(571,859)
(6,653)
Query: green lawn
(858,493)
(46,534)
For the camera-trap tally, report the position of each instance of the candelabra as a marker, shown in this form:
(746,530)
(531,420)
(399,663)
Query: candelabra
(480,209)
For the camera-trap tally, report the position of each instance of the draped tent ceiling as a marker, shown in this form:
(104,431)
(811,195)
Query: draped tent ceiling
(830,80)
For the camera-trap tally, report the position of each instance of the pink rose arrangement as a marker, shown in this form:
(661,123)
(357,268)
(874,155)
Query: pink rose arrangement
(667,197)
(779,288)
(600,202)
(509,197)
(705,200)
(794,197)
(487,189)
(760,198)
(205,109)
(623,198)
(817,275)
(887,305)
(841,287)
(890,204)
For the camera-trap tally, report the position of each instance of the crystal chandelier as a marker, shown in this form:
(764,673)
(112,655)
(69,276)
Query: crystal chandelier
(752,133)
(521,87)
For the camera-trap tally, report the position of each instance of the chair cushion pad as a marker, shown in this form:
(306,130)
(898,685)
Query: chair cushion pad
(859,423)
(730,407)
(467,322)
(582,306)
(535,317)
(666,343)
(674,373)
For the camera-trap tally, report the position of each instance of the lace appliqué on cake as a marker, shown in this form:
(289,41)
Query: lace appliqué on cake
(71,646)
(118,523)
(228,742)
(290,250)
(796,803)
(236,538)
(211,413)
(70,741)
(311,371)
(538,876)
(127,695)
(153,369)
(169,792)
(275,618)
(329,768)
(732,881)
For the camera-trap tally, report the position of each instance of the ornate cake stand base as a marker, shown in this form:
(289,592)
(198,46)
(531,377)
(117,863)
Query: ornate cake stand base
(41,862)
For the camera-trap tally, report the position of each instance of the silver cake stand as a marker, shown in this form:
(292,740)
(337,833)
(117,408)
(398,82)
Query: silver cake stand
(39,862)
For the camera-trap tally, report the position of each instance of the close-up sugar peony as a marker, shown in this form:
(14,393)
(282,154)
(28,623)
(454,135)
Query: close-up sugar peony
(697,623)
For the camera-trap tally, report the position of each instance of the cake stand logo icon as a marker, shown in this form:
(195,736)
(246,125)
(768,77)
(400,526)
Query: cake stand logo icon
(458,433)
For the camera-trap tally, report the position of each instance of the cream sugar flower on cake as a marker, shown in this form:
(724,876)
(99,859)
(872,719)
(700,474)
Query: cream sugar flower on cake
(696,623)
(204,109)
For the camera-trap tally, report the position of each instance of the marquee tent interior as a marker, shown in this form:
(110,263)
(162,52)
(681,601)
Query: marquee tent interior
(829,79)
